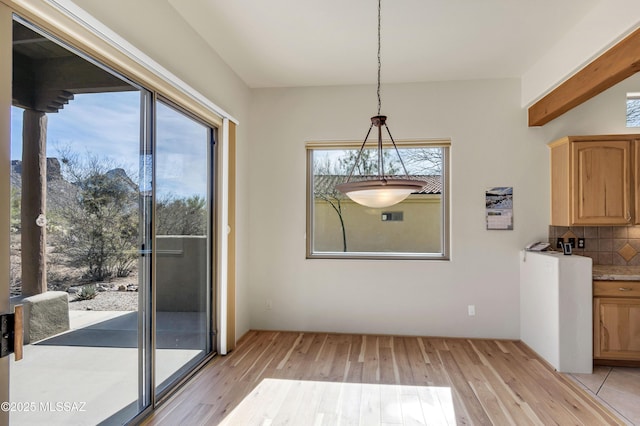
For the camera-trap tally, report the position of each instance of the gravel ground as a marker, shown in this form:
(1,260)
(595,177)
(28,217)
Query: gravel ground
(106,301)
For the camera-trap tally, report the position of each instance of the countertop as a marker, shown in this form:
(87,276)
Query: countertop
(616,273)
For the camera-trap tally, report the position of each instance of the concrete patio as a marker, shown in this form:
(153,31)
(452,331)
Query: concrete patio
(89,374)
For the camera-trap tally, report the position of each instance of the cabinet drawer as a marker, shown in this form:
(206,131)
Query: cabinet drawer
(616,288)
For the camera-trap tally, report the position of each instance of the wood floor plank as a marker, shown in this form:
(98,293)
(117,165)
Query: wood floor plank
(350,399)
(390,406)
(402,362)
(411,407)
(417,361)
(354,375)
(437,405)
(370,406)
(470,411)
(322,365)
(519,410)
(328,407)
(371,364)
(436,371)
(268,364)
(470,363)
(312,354)
(567,389)
(387,366)
(299,403)
(556,389)
(338,370)
(284,360)
(356,351)
(326,379)
(260,414)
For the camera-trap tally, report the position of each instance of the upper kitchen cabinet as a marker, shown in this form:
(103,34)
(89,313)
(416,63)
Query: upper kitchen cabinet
(592,180)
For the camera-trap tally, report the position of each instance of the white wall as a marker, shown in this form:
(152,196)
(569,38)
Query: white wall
(158,30)
(599,29)
(491,146)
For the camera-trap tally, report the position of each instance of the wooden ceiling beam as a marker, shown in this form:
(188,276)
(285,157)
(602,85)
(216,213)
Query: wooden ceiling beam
(616,64)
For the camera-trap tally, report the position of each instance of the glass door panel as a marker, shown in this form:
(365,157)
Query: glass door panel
(77,223)
(183,191)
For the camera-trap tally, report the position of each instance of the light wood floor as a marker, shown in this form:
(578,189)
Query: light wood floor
(317,378)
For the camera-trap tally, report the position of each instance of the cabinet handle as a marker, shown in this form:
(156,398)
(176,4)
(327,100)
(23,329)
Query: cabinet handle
(624,289)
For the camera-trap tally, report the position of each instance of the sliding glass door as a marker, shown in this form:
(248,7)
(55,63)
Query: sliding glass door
(111,234)
(77,222)
(183,223)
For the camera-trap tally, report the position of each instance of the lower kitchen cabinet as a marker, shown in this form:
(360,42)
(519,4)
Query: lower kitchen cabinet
(616,320)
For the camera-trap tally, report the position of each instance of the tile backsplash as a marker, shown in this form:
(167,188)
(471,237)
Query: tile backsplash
(606,245)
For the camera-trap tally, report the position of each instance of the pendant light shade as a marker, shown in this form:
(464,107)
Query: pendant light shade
(380,193)
(384,191)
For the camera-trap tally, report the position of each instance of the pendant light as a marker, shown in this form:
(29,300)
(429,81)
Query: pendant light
(384,191)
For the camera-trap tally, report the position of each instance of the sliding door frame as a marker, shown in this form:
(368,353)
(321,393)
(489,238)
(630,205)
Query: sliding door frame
(6,55)
(58,18)
(212,248)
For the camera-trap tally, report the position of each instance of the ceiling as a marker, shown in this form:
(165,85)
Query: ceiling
(284,43)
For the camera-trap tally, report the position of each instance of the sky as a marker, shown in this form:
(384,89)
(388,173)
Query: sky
(332,157)
(106,123)
(107,126)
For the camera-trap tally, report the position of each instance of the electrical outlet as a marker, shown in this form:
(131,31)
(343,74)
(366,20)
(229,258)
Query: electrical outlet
(581,243)
(472,310)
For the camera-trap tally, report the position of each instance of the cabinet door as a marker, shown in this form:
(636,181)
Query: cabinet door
(602,192)
(617,328)
(636,180)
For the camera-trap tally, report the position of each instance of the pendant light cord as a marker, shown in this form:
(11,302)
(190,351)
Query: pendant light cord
(349,188)
(380,159)
(379,61)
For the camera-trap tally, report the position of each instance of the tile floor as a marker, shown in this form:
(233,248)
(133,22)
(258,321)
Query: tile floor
(617,388)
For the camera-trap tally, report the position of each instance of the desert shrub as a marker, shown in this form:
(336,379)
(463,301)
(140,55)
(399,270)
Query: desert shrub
(15,209)
(181,216)
(99,229)
(87,292)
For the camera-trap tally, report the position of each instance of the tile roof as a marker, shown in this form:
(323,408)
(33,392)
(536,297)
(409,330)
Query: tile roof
(327,183)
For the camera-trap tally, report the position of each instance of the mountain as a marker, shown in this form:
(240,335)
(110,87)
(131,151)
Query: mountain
(60,191)
(54,171)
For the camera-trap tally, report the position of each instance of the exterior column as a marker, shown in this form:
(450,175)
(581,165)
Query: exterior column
(34,201)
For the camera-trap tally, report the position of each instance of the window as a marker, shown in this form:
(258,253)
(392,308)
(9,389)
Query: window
(417,228)
(633,109)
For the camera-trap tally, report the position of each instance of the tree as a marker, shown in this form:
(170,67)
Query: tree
(98,217)
(423,161)
(367,164)
(181,216)
(327,191)
(633,112)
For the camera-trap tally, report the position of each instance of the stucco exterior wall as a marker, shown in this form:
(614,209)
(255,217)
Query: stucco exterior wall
(418,232)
